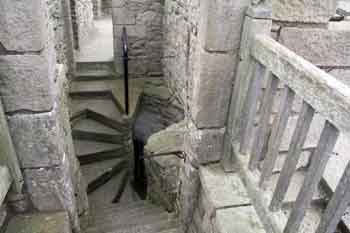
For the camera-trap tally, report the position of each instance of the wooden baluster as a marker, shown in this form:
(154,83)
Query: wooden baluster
(250,106)
(337,205)
(319,160)
(295,148)
(262,134)
(279,125)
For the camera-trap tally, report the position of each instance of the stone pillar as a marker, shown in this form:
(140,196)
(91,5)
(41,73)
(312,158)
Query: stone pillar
(33,93)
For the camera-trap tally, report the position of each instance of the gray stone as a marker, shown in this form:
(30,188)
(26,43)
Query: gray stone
(5,182)
(26,81)
(306,11)
(3,214)
(211,90)
(224,24)
(245,219)
(206,145)
(23,25)
(123,16)
(56,222)
(320,46)
(341,74)
(37,139)
(223,189)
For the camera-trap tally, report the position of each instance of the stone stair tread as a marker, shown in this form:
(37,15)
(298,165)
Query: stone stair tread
(129,195)
(105,194)
(54,222)
(95,170)
(88,75)
(90,125)
(172,230)
(85,147)
(141,223)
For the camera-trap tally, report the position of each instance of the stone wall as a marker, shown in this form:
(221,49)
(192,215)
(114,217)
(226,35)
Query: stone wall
(143,21)
(33,89)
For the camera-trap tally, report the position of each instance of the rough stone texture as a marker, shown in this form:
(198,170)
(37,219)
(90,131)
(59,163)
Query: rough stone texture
(159,108)
(26,81)
(229,15)
(3,214)
(84,19)
(211,90)
(206,145)
(23,25)
(143,21)
(305,11)
(56,222)
(320,46)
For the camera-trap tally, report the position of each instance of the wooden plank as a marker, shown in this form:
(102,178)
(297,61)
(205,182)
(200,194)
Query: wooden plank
(319,161)
(5,182)
(8,156)
(294,152)
(324,93)
(337,205)
(250,106)
(261,137)
(278,128)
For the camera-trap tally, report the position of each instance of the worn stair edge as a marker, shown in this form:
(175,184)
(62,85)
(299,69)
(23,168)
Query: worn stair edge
(104,178)
(99,137)
(146,223)
(121,188)
(101,156)
(95,76)
(105,94)
(121,126)
(124,215)
(95,65)
(75,117)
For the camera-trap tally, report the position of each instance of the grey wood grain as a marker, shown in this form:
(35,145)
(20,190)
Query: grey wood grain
(279,125)
(319,161)
(294,152)
(261,136)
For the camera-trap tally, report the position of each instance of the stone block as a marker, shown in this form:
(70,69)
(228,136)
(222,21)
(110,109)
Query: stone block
(211,90)
(56,222)
(118,3)
(27,80)
(123,16)
(342,75)
(320,46)
(305,11)
(246,220)
(206,145)
(23,26)
(37,139)
(224,23)
(222,189)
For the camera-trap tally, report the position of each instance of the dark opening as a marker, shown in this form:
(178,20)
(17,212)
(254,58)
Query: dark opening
(140,178)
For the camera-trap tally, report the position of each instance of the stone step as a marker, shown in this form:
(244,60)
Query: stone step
(105,194)
(97,174)
(84,66)
(54,222)
(101,109)
(124,215)
(92,151)
(90,129)
(91,75)
(172,230)
(124,182)
(139,223)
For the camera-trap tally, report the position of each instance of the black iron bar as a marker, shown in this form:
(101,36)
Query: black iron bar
(126,69)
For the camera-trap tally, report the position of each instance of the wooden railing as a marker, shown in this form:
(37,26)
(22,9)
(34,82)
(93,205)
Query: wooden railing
(255,149)
(10,173)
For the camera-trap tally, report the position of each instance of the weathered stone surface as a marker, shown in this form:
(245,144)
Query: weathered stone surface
(342,75)
(307,11)
(3,214)
(84,19)
(26,81)
(245,219)
(320,46)
(222,189)
(123,16)
(211,90)
(224,22)
(206,145)
(56,222)
(23,25)
(5,182)
(36,139)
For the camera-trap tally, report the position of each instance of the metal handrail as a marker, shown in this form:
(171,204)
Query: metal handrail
(126,69)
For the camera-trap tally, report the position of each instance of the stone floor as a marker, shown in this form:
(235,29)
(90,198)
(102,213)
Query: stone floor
(99,47)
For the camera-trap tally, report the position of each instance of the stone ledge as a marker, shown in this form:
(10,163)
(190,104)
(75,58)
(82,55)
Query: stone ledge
(57,222)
